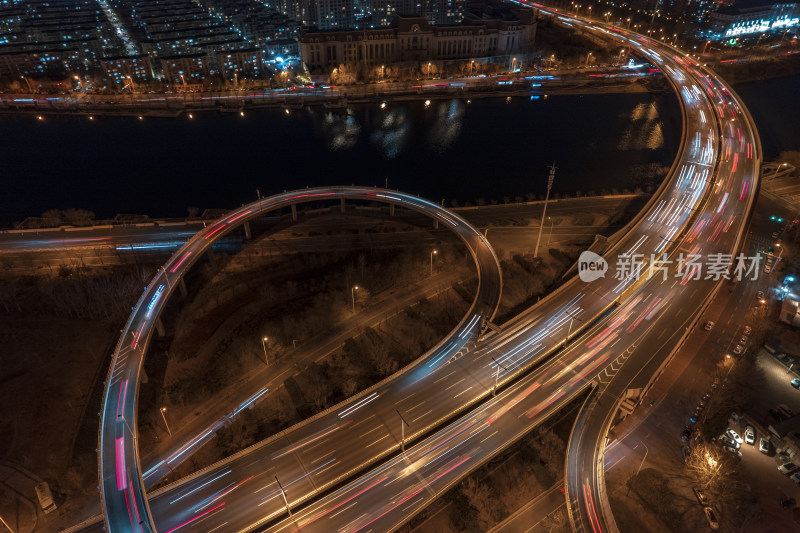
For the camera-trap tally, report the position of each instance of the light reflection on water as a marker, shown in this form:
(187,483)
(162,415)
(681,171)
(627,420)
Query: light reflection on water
(390,134)
(644,131)
(341,131)
(447,125)
(388,130)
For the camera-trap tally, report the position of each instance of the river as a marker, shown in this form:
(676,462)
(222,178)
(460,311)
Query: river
(489,148)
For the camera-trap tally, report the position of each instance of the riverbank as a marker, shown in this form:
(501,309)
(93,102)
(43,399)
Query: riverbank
(171,104)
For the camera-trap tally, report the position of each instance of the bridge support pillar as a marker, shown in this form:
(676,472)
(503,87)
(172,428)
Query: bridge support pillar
(182,288)
(294,213)
(247,233)
(160,327)
(435,224)
(391,210)
(341,203)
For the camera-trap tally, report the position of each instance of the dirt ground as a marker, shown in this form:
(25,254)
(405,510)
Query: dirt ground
(44,396)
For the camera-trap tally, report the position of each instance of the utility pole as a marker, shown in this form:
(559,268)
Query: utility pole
(546,198)
(403,425)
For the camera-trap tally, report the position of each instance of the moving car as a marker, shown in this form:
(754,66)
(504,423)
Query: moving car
(763,445)
(749,434)
(795,477)
(708,325)
(748,330)
(787,468)
(739,349)
(711,517)
(760,295)
(701,497)
(796,383)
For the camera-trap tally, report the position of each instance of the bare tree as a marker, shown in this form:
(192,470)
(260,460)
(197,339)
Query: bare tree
(550,449)
(479,497)
(557,521)
(709,467)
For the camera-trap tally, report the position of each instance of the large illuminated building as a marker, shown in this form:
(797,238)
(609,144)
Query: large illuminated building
(501,34)
(732,22)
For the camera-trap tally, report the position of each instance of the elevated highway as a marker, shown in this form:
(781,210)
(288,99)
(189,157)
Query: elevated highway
(121,480)
(736,172)
(320,454)
(630,345)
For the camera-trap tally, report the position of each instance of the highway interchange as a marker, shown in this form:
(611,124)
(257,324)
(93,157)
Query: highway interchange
(121,479)
(702,207)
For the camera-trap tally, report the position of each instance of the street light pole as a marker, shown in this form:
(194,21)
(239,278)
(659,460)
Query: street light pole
(643,458)
(653,18)
(496,375)
(264,345)
(432,254)
(403,425)
(164,410)
(166,276)
(353,295)
(544,210)
(551,231)
(569,330)
(6,524)
(30,88)
(283,493)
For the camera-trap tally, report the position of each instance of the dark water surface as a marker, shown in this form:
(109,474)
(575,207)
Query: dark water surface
(775,106)
(489,148)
